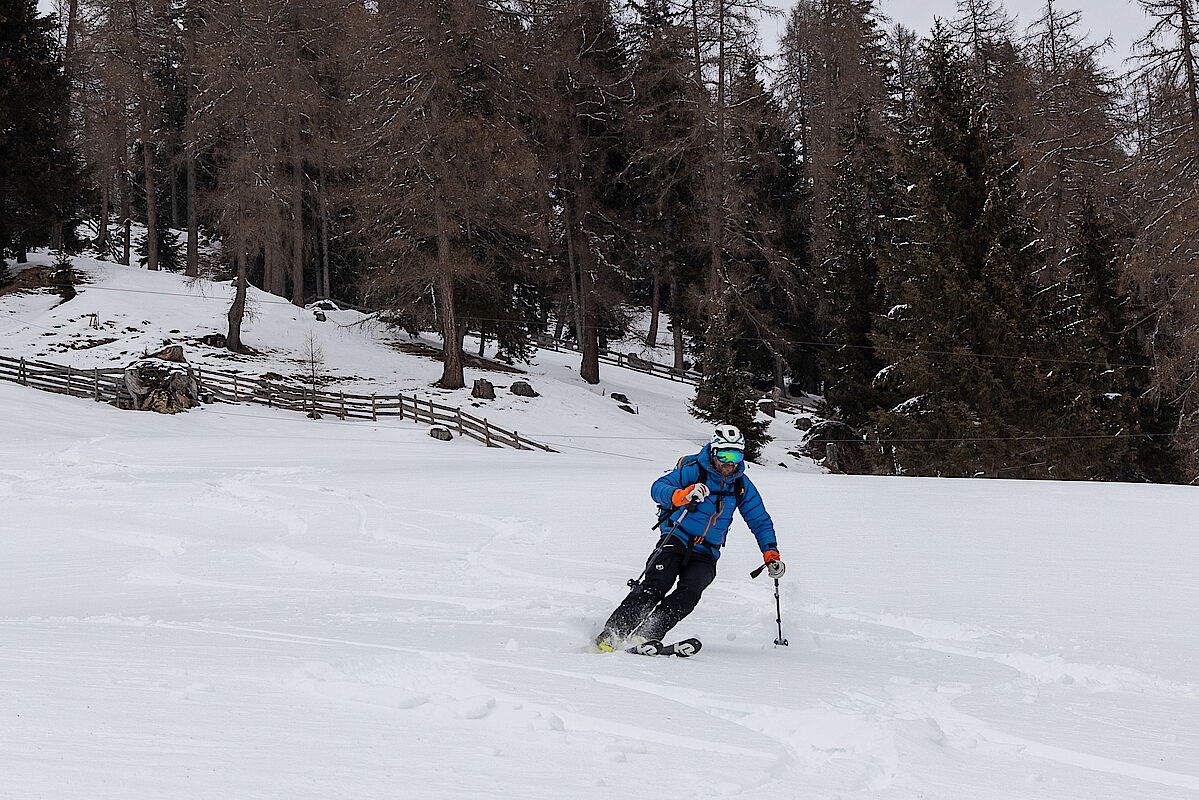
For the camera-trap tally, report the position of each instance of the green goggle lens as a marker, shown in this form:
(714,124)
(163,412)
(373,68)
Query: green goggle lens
(730,456)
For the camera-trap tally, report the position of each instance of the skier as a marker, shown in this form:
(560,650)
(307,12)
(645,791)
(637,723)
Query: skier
(696,500)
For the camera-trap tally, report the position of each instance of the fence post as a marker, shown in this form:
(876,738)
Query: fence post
(235,387)
(70,390)
(459,421)
(374,413)
(24,380)
(432,413)
(96,382)
(516,436)
(199,380)
(343,406)
(486,432)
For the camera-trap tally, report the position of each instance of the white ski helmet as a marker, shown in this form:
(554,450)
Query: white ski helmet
(727,437)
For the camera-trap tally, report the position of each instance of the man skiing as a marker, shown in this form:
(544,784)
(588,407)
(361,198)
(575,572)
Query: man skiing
(696,499)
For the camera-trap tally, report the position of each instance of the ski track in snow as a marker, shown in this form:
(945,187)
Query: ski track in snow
(228,605)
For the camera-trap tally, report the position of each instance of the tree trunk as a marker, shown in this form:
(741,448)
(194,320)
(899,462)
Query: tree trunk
(325,292)
(589,334)
(190,22)
(237,311)
(151,204)
(780,373)
(57,237)
(193,220)
(651,338)
(451,373)
(297,222)
(1189,33)
(101,242)
(573,264)
(676,324)
(126,222)
(174,173)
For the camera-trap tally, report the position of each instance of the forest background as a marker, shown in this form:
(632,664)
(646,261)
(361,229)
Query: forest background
(978,246)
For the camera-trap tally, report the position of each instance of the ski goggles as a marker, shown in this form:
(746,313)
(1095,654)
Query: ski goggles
(729,456)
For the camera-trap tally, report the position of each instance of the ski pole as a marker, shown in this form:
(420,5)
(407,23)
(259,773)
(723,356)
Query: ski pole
(778,607)
(635,582)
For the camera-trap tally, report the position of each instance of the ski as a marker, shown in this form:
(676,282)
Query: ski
(684,648)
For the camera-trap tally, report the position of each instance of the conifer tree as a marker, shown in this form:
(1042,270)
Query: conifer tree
(768,232)
(583,83)
(62,276)
(41,182)
(168,250)
(1163,263)
(1072,146)
(451,182)
(861,203)
(975,354)
(725,393)
(667,180)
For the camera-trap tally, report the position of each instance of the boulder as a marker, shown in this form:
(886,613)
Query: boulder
(636,362)
(172,353)
(483,389)
(523,389)
(618,397)
(627,408)
(766,407)
(803,423)
(162,384)
(438,432)
(838,447)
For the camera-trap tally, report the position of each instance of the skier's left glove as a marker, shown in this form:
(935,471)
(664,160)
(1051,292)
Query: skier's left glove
(774,567)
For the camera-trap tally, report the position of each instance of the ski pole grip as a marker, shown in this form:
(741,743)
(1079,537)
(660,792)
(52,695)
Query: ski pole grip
(757,571)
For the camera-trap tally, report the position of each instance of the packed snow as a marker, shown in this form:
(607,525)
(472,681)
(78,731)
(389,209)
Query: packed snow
(239,602)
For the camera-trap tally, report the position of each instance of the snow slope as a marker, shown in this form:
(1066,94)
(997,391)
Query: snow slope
(238,602)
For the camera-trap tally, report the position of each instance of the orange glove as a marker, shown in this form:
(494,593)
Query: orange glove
(774,566)
(696,492)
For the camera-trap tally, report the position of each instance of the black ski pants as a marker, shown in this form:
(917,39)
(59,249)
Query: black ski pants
(648,610)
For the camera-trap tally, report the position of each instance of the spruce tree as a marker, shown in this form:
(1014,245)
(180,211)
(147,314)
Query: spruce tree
(663,174)
(861,201)
(973,356)
(1117,384)
(62,276)
(41,180)
(768,232)
(168,250)
(725,393)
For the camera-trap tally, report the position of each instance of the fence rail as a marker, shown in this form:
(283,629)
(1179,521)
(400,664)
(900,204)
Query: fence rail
(627,360)
(108,385)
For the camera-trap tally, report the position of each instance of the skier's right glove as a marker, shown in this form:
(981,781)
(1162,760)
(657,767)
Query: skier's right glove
(774,566)
(695,493)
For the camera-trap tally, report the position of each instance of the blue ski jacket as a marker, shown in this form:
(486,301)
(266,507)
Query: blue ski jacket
(709,524)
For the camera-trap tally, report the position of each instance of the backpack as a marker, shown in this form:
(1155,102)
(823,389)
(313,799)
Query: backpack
(737,492)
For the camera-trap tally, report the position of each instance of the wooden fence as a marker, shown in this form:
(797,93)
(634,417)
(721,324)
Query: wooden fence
(627,360)
(547,342)
(107,385)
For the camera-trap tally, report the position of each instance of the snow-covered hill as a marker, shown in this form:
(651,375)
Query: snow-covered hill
(122,312)
(238,602)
